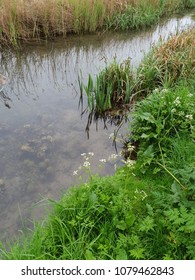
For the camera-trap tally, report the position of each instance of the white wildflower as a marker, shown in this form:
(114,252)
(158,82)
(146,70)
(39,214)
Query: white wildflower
(189,117)
(173,110)
(112,157)
(156,90)
(84,154)
(130,147)
(91,154)
(86,164)
(130,163)
(164,90)
(103,160)
(177,101)
(75,172)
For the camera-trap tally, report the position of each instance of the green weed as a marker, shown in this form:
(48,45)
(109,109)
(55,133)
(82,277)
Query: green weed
(116,217)
(111,89)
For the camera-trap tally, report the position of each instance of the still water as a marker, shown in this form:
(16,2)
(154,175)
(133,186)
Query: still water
(42,134)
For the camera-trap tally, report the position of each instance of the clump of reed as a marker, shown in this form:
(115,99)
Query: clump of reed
(144,13)
(168,63)
(111,88)
(36,19)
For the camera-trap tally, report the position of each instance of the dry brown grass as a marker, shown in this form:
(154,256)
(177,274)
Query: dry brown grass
(177,55)
(168,63)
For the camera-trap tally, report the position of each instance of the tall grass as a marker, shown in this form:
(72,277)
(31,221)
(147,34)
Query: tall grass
(167,63)
(36,19)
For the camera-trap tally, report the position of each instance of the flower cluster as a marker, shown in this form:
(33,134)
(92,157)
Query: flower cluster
(189,117)
(177,102)
(112,159)
(129,163)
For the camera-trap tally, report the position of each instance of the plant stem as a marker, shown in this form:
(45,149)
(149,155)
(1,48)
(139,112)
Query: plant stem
(171,174)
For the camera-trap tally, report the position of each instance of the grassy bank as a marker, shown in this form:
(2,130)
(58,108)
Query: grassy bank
(146,210)
(36,19)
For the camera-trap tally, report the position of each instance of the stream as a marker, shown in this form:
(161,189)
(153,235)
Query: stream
(42,133)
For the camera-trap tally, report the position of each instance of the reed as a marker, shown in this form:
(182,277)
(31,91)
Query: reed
(110,89)
(37,19)
(168,63)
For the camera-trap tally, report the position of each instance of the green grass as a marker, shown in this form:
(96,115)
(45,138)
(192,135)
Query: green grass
(146,210)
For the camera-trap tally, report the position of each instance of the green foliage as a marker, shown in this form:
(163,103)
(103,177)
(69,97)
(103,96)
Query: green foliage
(165,114)
(23,20)
(111,89)
(116,217)
(135,17)
(163,123)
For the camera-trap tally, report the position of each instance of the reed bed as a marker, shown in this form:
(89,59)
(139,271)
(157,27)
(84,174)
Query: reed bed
(36,19)
(117,87)
(167,63)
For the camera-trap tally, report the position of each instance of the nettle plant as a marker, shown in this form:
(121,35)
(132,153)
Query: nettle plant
(165,114)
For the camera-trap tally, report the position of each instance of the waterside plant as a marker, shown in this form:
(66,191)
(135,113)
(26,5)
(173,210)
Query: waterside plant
(146,210)
(23,20)
(117,87)
(111,88)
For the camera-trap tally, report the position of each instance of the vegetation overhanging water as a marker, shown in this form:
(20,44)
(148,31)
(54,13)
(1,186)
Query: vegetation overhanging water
(146,209)
(122,224)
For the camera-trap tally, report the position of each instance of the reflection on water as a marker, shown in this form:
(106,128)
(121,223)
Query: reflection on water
(42,136)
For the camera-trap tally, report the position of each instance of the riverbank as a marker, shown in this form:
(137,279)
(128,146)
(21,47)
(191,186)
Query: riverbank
(146,209)
(35,20)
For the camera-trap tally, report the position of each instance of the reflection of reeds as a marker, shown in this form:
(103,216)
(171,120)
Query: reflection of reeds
(3,96)
(35,19)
